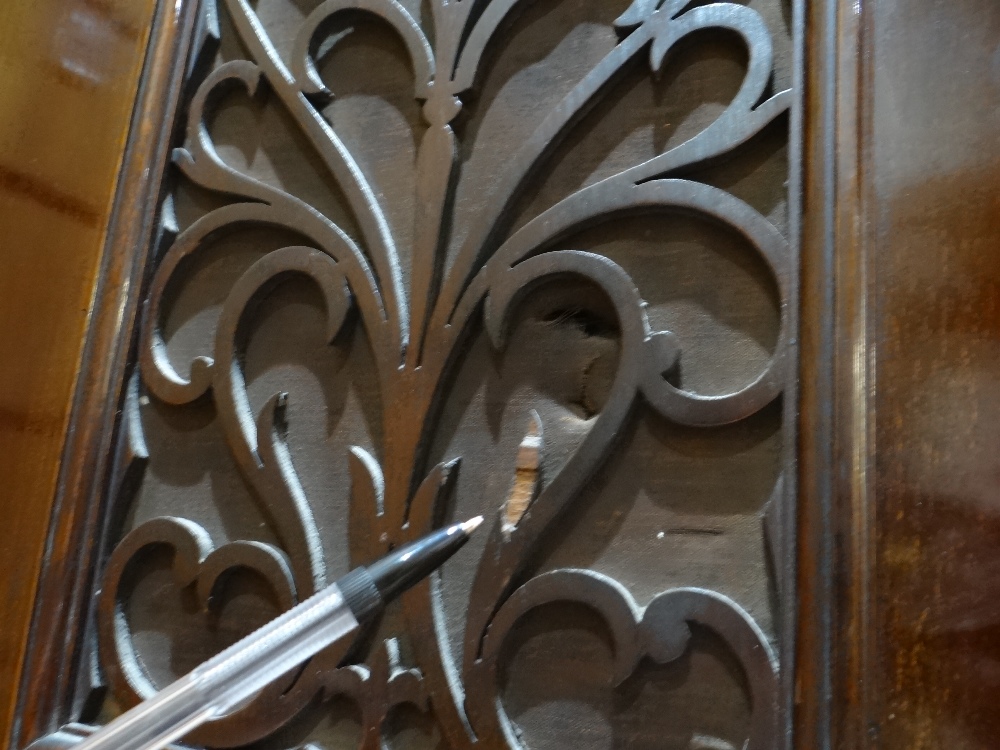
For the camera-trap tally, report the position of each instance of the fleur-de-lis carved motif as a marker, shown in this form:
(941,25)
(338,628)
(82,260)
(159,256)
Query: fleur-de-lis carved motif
(416,331)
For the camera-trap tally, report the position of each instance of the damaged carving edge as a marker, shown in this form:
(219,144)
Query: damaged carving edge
(527,477)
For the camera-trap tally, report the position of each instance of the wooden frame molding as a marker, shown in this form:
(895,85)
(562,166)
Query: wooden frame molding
(66,576)
(69,74)
(837,639)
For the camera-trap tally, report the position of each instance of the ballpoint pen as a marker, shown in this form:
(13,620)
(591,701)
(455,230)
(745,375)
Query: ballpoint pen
(237,673)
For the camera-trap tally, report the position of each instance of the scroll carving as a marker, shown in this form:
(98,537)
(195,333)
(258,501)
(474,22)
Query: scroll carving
(417,325)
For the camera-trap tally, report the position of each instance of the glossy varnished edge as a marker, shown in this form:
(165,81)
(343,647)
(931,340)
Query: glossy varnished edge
(855,645)
(834,694)
(47,685)
(789,614)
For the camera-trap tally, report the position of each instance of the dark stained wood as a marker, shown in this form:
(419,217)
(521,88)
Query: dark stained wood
(898,435)
(873,557)
(836,626)
(813,688)
(361,307)
(935,230)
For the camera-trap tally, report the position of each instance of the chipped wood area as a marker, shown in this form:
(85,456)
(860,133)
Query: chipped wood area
(526,476)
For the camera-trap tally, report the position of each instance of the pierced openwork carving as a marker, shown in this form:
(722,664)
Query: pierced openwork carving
(408,296)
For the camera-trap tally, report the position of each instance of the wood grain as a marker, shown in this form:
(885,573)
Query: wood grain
(523,291)
(68,74)
(935,230)
(898,545)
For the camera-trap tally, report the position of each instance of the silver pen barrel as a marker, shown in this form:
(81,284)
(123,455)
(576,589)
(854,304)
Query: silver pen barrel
(225,681)
(229,678)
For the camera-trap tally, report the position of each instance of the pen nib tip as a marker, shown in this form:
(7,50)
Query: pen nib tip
(472,524)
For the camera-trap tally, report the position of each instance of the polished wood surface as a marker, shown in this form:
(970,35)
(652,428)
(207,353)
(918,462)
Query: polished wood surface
(68,75)
(901,398)
(899,533)
(934,224)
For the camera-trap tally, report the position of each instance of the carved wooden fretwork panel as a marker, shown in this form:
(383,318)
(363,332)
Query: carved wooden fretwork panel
(422,260)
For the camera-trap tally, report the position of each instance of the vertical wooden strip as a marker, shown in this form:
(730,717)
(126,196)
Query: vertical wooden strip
(934,204)
(855,637)
(835,689)
(68,75)
(67,575)
(816,387)
(900,389)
